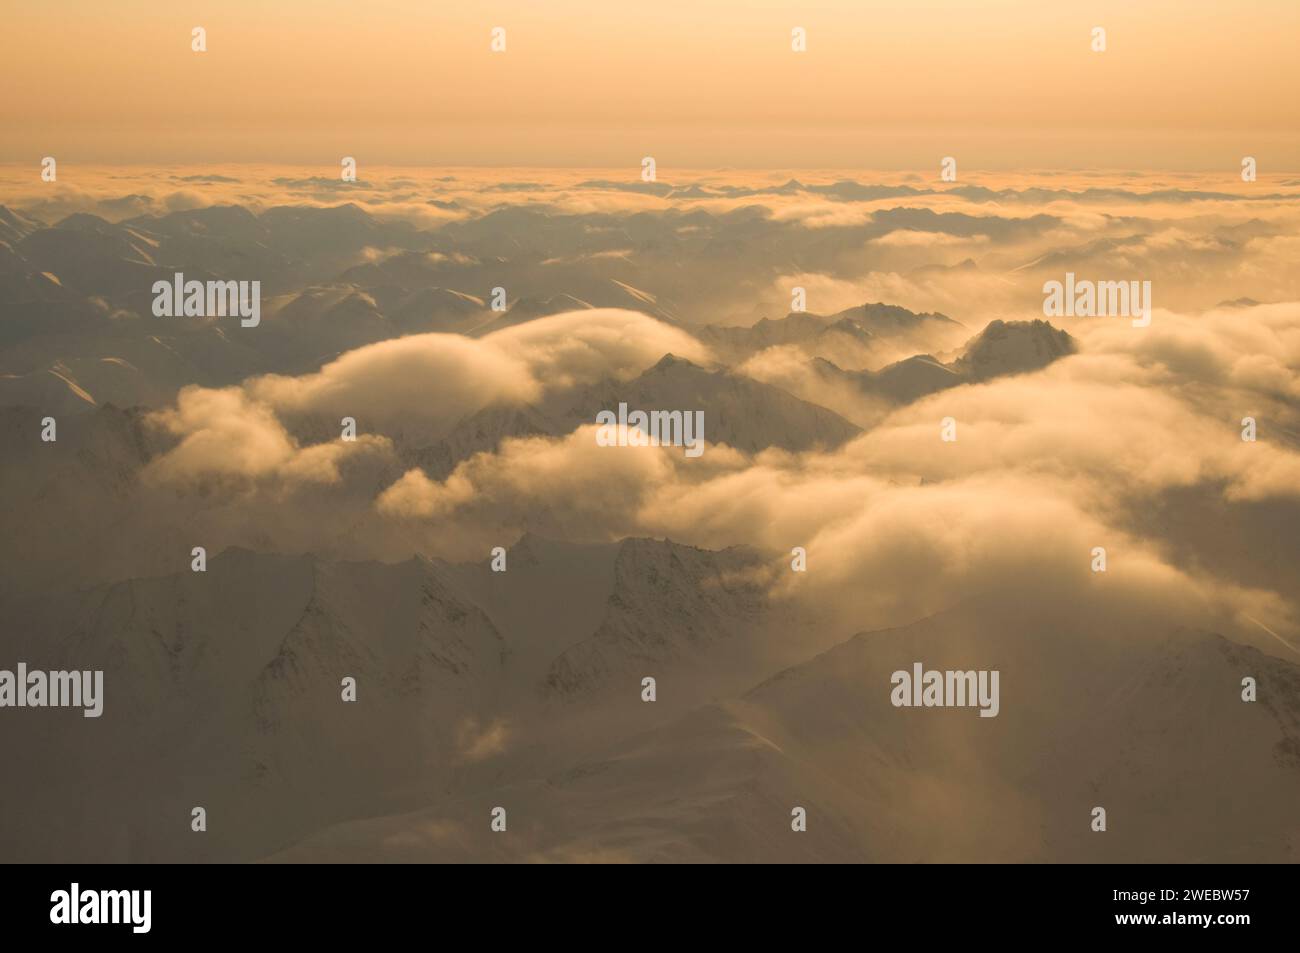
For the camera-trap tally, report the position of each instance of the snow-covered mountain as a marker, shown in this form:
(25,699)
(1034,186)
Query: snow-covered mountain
(1084,722)
(223,688)
(669,603)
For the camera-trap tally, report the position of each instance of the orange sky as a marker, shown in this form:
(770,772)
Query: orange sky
(1184,84)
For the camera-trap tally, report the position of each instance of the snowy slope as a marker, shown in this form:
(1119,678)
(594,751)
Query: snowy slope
(1084,722)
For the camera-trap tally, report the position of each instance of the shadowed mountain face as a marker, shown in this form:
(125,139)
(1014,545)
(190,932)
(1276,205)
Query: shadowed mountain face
(862,330)
(740,412)
(1013,348)
(361,572)
(1002,348)
(77,296)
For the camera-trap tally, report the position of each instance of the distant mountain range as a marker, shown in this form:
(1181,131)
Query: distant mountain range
(856,330)
(1002,348)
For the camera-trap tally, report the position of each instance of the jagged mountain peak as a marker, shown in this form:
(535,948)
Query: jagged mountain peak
(880,317)
(671,361)
(1012,347)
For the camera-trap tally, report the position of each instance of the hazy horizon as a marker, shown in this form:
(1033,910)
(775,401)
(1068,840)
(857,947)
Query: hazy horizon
(1180,85)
